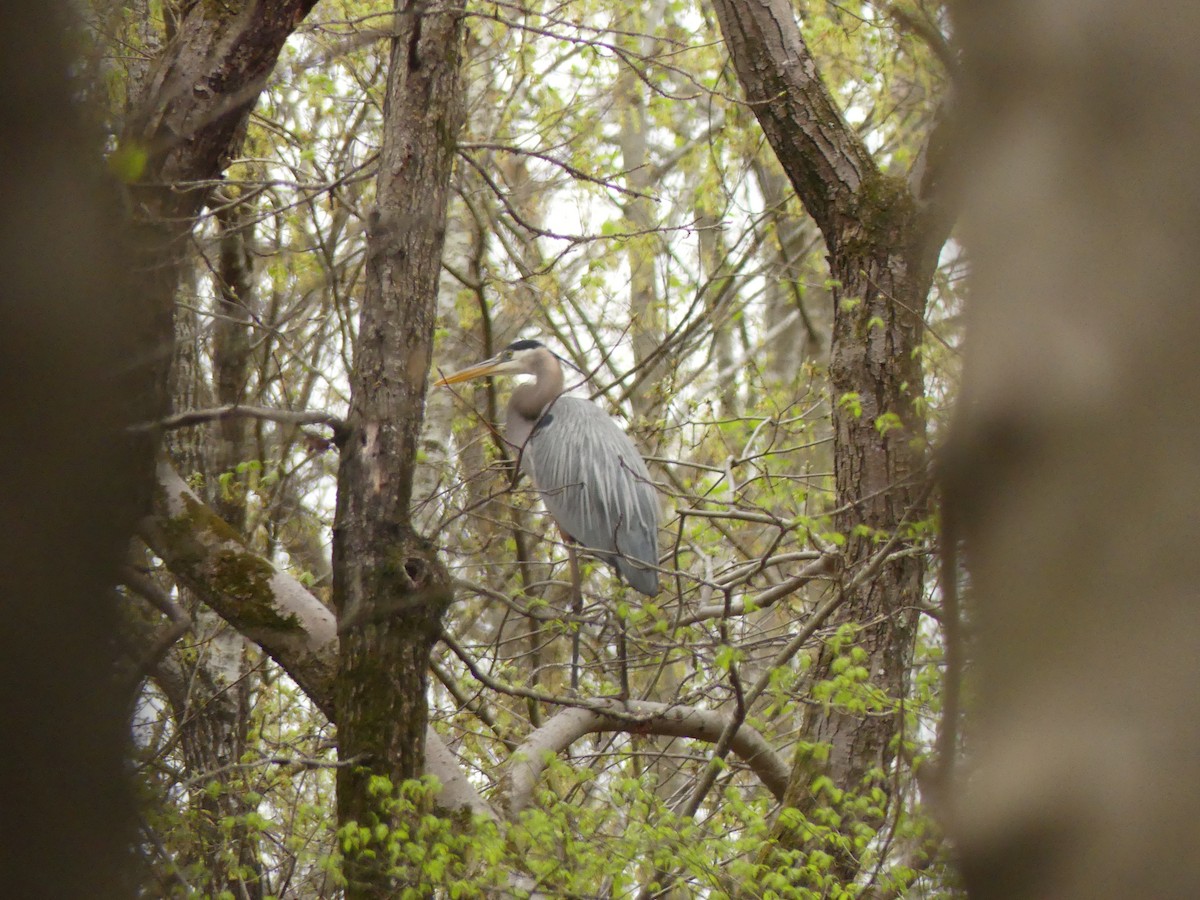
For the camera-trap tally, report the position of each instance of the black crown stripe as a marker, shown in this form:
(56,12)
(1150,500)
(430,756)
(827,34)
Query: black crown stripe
(525,344)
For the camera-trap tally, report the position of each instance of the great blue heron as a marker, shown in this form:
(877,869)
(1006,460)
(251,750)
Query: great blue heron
(591,477)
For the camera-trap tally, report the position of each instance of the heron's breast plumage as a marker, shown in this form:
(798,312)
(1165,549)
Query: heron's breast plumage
(594,483)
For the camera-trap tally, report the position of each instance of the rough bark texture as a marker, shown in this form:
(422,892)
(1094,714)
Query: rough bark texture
(882,246)
(826,163)
(1074,472)
(181,133)
(198,96)
(73,380)
(214,716)
(879,483)
(389,588)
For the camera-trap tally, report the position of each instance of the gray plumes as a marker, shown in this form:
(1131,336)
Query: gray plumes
(590,476)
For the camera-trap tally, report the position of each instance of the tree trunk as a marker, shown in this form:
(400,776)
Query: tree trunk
(74,380)
(883,245)
(185,125)
(213,720)
(1073,472)
(182,133)
(647,314)
(879,481)
(389,588)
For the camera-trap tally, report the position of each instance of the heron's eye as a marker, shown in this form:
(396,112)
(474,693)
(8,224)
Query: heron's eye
(508,354)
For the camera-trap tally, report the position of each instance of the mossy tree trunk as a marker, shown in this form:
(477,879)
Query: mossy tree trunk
(883,237)
(389,589)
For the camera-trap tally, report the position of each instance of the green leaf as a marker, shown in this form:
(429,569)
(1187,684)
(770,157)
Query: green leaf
(851,401)
(128,162)
(888,421)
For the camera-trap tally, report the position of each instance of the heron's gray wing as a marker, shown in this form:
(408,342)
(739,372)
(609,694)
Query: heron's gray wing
(596,486)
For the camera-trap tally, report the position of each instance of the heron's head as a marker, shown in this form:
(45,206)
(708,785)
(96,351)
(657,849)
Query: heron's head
(518,358)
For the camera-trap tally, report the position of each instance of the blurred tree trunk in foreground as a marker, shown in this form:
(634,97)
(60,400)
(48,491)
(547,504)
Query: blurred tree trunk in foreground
(1073,472)
(75,480)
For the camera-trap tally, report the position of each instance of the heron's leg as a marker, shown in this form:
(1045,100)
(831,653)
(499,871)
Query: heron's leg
(623,657)
(576,612)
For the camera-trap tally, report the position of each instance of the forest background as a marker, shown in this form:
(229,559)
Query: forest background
(735,221)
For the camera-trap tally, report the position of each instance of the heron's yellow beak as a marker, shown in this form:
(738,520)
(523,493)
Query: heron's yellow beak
(486,367)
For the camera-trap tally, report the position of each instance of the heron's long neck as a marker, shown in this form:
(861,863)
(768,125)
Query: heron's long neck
(530,399)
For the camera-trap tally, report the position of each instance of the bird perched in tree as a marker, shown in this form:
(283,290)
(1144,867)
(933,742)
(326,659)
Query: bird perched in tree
(587,470)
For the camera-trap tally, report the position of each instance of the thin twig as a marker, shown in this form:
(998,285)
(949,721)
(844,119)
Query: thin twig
(234,410)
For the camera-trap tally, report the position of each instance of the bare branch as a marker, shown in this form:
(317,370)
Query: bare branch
(634,717)
(479,708)
(267,606)
(235,410)
(272,609)
(764,599)
(571,170)
(165,637)
(729,736)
